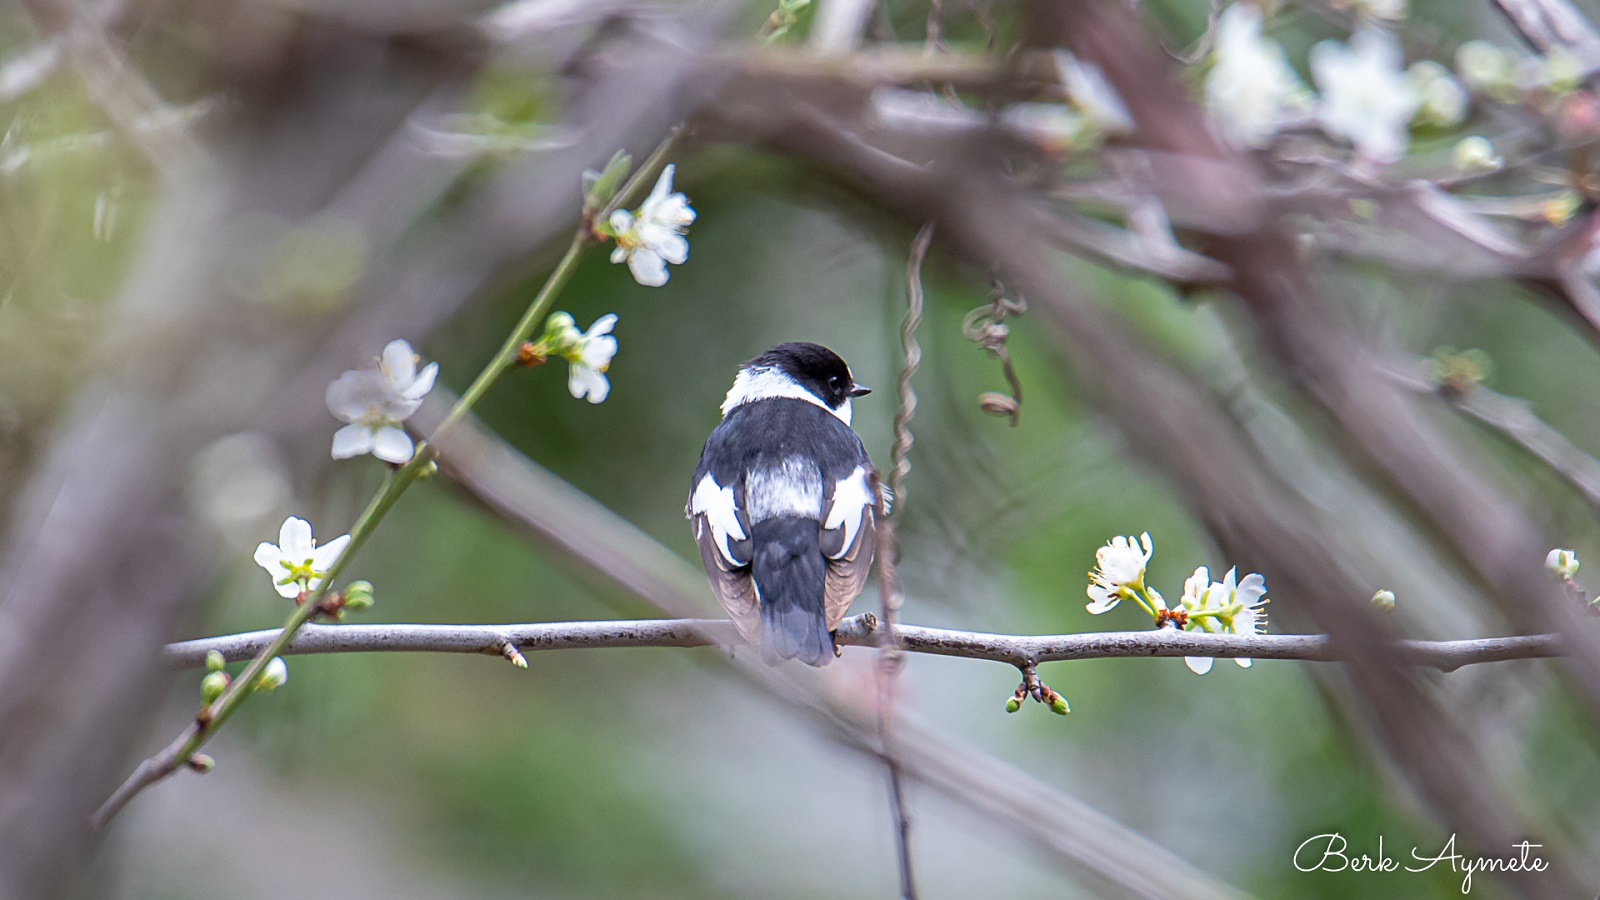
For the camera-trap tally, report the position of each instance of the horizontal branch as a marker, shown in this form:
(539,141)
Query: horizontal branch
(1017,650)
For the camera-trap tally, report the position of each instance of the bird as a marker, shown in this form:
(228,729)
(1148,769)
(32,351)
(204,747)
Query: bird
(784,502)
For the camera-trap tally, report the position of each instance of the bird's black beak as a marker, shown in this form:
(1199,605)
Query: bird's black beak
(860,390)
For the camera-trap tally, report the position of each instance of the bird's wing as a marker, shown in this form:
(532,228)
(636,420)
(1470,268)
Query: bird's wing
(848,574)
(849,537)
(722,529)
(731,583)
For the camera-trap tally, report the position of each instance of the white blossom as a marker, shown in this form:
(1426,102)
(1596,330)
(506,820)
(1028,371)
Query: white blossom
(374,401)
(589,358)
(654,235)
(1251,88)
(296,563)
(1366,98)
(1223,607)
(1119,570)
(1195,588)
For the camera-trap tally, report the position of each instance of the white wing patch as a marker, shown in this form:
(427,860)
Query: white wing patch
(850,496)
(716,503)
(791,488)
(770,383)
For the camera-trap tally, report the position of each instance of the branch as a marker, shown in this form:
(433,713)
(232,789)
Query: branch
(1515,418)
(1548,24)
(856,631)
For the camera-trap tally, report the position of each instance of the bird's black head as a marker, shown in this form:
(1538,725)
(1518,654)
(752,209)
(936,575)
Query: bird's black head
(815,368)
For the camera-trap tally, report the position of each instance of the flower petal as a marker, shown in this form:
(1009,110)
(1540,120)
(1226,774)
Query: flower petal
(392,444)
(1198,664)
(1244,662)
(602,325)
(423,383)
(269,557)
(352,440)
(347,396)
(598,353)
(585,382)
(323,558)
(672,247)
(294,538)
(648,269)
(399,364)
(663,184)
(1104,600)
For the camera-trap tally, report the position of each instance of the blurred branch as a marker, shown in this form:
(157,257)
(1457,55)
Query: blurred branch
(1548,24)
(839,25)
(28,69)
(857,631)
(1093,238)
(1027,71)
(1515,418)
(127,98)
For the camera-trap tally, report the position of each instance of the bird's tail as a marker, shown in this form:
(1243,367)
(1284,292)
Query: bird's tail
(790,574)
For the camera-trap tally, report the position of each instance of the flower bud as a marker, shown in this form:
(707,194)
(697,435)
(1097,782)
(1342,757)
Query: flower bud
(1562,563)
(1476,154)
(212,686)
(274,675)
(215,661)
(1444,102)
(1013,704)
(600,187)
(1058,705)
(1383,601)
(202,763)
(358,595)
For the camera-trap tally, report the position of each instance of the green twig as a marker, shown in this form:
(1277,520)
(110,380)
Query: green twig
(182,750)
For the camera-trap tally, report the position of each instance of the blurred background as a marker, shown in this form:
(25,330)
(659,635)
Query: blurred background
(212,209)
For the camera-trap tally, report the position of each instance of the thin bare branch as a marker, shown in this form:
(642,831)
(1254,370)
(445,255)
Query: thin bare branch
(857,631)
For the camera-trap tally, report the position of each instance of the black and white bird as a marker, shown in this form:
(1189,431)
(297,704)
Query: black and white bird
(784,502)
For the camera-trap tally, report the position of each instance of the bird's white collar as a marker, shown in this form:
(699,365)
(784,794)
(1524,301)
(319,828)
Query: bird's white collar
(767,383)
